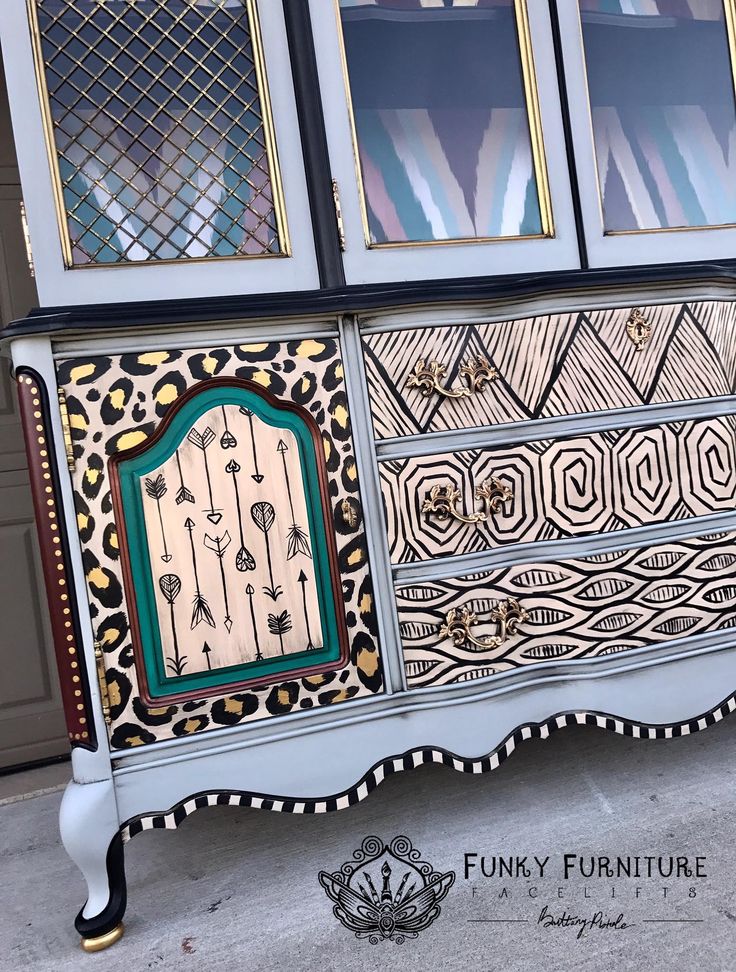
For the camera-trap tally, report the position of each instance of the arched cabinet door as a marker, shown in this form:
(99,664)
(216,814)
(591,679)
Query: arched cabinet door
(232,567)
(219,513)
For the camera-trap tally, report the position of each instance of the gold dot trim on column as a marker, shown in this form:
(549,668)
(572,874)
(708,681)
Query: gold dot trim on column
(42,470)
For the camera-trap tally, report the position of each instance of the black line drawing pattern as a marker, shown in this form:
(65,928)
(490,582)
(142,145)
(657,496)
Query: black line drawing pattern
(207,651)
(227,439)
(156,490)
(423,755)
(183,494)
(280,624)
(553,365)
(563,487)
(297,538)
(170,586)
(203,440)
(250,591)
(264,516)
(218,545)
(584,607)
(244,559)
(257,476)
(280,506)
(303,581)
(200,609)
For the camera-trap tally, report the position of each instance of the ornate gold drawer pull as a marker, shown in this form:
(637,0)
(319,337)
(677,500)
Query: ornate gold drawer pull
(508,615)
(639,329)
(443,500)
(428,377)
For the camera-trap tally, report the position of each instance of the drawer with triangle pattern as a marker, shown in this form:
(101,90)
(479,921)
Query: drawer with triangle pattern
(533,491)
(448,377)
(481,624)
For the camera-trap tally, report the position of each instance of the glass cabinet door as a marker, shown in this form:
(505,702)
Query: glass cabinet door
(170,143)
(654,120)
(445,137)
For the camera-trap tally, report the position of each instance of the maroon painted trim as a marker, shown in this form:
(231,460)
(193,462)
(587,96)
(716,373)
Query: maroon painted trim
(44,476)
(332,555)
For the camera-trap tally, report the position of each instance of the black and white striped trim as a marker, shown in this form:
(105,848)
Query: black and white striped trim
(396,764)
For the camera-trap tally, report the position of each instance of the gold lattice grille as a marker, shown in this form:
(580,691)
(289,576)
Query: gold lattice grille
(159,129)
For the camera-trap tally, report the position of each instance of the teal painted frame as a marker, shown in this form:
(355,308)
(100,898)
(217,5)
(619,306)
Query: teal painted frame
(126,476)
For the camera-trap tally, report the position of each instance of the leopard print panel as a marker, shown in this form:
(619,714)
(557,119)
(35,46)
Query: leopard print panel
(116,403)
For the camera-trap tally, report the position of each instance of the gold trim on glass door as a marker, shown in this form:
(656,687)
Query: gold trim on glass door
(536,136)
(48,133)
(274,170)
(729,9)
(264,95)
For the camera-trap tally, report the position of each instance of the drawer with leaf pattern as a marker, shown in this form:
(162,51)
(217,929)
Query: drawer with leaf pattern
(478,625)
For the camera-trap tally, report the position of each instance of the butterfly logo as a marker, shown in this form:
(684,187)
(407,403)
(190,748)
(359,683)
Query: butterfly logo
(386,893)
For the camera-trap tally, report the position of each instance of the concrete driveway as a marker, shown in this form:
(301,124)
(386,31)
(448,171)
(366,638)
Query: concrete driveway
(238,889)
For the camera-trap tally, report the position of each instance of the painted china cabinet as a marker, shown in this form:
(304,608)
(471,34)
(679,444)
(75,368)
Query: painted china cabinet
(379,410)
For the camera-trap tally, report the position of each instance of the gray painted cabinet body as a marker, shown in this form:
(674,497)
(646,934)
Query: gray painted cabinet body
(289,553)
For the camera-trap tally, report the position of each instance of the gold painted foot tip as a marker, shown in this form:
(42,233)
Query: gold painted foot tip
(103,941)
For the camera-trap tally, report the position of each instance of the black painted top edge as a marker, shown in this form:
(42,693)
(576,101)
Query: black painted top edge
(354,299)
(315,151)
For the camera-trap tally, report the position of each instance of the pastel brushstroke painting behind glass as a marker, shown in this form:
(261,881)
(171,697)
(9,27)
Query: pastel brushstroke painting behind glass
(441,120)
(664,124)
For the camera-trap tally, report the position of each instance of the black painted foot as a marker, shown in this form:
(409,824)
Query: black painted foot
(110,919)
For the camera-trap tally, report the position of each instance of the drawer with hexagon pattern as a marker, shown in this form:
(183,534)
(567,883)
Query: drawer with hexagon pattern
(549,489)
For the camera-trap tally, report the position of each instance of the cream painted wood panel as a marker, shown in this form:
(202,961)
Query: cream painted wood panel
(231,584)
(31,719)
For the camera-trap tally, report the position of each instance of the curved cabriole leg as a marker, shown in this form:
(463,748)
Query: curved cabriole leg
(90,833)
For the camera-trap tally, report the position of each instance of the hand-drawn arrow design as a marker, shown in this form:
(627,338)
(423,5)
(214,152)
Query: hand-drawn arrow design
(156,490)
(201,609)
(250,591)
(183,495)
(170,586)
(264,515)
(206,651)
(280,624)
(244,559)
(218,545)
(303,581)
(203,441)
(258,476)
(227,439)
(297,540)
